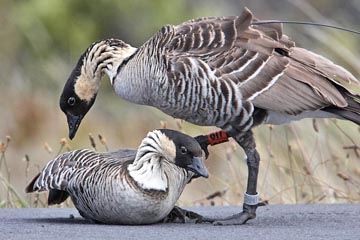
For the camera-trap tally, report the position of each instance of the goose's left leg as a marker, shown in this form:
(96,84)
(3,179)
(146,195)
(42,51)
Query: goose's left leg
(247,142)
(251,197)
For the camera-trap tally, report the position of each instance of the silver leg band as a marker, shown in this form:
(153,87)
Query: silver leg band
(251,199)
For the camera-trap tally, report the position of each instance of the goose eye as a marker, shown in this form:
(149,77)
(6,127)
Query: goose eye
(71,101)
(183,150)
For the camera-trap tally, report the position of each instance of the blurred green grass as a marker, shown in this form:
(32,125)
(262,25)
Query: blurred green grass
(42,40)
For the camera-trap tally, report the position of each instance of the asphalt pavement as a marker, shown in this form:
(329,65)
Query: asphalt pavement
(336,221)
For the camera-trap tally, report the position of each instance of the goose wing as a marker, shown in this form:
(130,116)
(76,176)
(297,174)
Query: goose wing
(78,164)
(270,71)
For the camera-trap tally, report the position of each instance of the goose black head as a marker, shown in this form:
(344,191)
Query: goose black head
(81,88)
(188,152)
(71,104)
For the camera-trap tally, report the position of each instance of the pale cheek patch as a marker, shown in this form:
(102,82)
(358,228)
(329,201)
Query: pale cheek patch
(105,59)
(168,147)
(85,88)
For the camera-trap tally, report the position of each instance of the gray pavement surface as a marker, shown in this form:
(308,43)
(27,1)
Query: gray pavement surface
(272,222)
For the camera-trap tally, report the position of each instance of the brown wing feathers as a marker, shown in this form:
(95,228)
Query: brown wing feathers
(270,70)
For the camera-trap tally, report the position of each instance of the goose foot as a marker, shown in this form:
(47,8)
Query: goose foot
(179,215)
(248,213)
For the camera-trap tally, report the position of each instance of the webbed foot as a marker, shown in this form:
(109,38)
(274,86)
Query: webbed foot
(248,213)
(179,215)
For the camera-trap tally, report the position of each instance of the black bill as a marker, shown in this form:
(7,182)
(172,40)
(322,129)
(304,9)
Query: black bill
(73,123)
(198,167)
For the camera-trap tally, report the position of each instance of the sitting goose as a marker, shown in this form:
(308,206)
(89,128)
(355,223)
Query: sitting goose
(129,186)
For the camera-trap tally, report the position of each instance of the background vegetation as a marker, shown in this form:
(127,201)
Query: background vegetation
(304,162)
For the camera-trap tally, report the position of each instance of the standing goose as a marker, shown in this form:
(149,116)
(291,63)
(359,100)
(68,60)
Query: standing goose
(228,72)
(128,186)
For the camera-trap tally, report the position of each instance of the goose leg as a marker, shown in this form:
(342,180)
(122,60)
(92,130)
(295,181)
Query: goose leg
(179,215)
(251,203)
